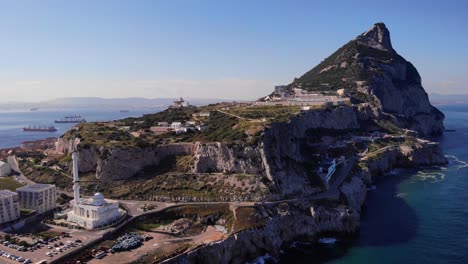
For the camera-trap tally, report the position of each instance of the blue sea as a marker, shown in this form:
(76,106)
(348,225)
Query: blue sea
(12,122)
(417,216)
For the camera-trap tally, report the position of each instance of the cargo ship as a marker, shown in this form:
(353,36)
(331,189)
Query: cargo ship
(73,116)
(71,119)
(39,129)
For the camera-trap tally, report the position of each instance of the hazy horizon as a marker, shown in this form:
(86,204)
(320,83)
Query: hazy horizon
(208,49)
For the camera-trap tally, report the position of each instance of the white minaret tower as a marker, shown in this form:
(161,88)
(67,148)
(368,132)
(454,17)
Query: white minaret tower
(76,181)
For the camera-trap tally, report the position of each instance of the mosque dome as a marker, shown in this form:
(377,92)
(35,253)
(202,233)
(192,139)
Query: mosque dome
(98,199)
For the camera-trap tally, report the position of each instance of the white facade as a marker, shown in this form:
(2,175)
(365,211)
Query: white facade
(9,206)
(95,212)
(331,170)
(91,213)
(176,125)
(39,197)
(4,169)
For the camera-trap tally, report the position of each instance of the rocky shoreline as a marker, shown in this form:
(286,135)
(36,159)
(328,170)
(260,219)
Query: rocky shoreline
(306,221)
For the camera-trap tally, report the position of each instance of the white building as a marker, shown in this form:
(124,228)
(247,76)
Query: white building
(91,213)
(4,169)
(331,170)
(9,206)
(180,103)
(95,212)
(176,125)
(38,197)
(340,92)
(205,114)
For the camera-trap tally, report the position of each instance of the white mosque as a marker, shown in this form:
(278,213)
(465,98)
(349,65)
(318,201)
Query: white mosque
(92,213)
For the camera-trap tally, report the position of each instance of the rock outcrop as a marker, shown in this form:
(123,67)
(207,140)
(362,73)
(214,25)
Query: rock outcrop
(227,158)
(302,221)
(372,71)
(288,147)
(377,37)
(406,156)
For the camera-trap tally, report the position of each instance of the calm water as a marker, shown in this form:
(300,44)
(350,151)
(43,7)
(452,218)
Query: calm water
(11,123)
(419,216)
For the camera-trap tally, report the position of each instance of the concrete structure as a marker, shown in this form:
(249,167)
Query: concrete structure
(9,206)
(176,125)
(331,170)
(201,127)
(91,213)
(5,169)
(160,129)
(340,92)
(38,197)
(180,103)
(204,114)
(300,97)
(95,212)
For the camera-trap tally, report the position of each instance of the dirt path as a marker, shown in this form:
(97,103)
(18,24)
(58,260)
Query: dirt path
(162,243)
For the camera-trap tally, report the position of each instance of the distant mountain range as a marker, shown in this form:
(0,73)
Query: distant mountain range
(445,99)
(96,102)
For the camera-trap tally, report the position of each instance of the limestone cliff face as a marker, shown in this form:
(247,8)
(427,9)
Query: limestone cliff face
(372,71)
(221,157)
(115,163)
(406,156)
(307,221)
(120,164)
(288,146)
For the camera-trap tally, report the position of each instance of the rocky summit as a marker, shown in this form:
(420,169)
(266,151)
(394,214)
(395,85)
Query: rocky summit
(372,72)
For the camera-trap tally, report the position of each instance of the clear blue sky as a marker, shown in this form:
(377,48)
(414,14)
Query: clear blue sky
(203,48)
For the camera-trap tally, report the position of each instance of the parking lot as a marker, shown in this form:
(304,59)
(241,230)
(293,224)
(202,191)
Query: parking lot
(49,250)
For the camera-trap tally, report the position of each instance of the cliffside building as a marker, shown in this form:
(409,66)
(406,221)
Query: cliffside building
(180,103)
(9,206)
(38,197)
(92,213)
(4,169)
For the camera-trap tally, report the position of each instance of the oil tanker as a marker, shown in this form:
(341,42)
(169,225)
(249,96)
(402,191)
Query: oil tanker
(71,119)
(39,129)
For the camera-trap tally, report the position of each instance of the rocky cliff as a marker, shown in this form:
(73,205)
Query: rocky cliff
(227,158)
(406,156)
(300,221)
(289,147)
(372,71)
(119,163)
(307,221)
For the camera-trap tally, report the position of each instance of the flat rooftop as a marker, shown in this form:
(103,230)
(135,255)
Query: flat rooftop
(35,187)
(6,193)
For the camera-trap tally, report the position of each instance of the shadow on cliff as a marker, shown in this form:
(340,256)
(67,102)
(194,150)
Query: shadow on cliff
(388,219)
